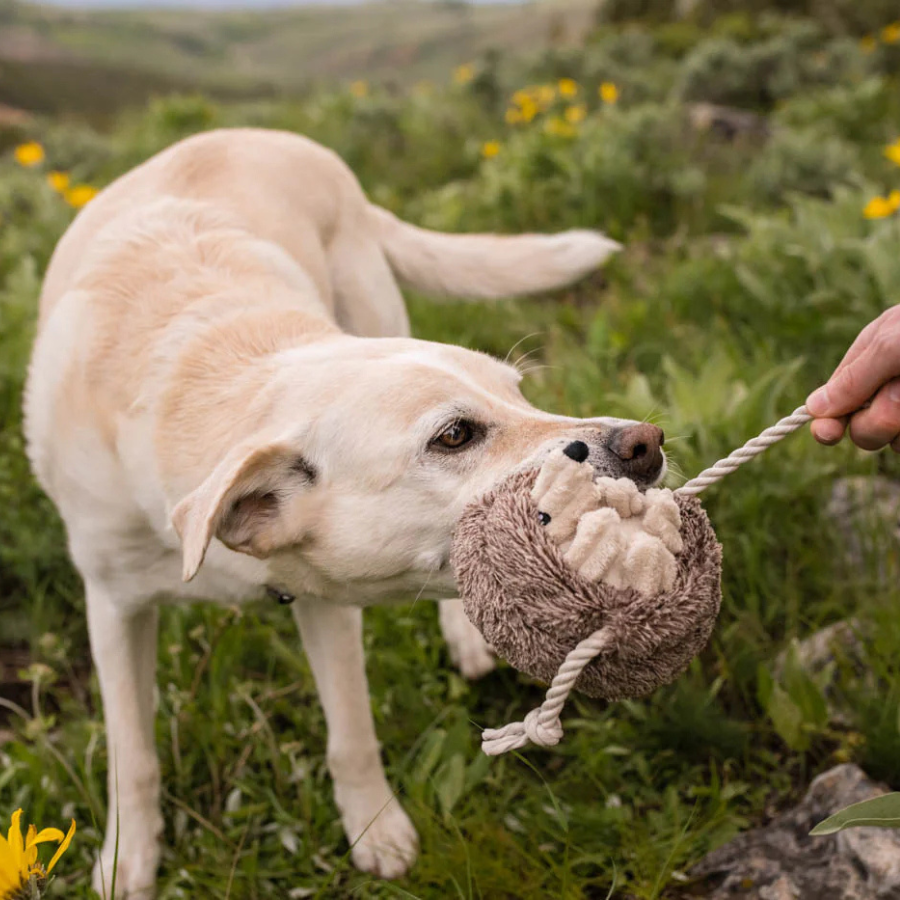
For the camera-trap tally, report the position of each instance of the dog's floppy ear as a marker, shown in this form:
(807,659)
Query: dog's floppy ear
(246,503)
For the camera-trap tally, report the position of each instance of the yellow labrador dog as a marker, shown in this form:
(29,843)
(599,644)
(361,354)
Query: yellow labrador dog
(223,400)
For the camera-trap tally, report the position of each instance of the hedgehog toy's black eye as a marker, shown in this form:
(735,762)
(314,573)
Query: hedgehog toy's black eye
(543,518)
(455,436)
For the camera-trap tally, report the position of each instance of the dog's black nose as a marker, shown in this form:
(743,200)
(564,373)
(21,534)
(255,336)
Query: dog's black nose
(577,450)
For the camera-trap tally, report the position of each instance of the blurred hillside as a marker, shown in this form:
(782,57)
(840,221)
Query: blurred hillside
(56,60)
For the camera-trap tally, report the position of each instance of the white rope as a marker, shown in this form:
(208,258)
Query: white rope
(788,425)
(542,726)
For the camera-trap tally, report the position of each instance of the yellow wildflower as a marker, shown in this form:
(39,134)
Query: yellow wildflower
(490,149)
(568,87)
(892,152)
(521,97)
(59,181)
(513,116)
(559,127)
(530,110)
(881,207)
(868,43)
(463,74)
(544,94)
(359,89)
(19,856)
(575,114)
(890,34)
(608,92)
(80,195)
(30,154)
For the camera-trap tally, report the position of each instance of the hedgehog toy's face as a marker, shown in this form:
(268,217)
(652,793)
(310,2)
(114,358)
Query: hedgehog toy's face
(396,438)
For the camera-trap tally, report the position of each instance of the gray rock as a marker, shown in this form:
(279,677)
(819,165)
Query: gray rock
(782,862)
(726,121)
(866,511)
(815,653)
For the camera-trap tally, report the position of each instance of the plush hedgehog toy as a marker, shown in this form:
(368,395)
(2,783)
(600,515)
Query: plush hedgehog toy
(591,583)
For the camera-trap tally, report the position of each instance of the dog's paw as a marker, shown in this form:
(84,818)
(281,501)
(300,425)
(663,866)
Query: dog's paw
(469,651)
(133,869)
(385,843)
(564,492)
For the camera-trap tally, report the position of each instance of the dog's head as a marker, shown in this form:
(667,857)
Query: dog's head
(375,447)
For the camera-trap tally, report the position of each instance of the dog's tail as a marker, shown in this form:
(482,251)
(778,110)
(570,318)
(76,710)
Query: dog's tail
(487,266)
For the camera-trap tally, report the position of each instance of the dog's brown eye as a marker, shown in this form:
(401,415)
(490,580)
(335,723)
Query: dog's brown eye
(456,436)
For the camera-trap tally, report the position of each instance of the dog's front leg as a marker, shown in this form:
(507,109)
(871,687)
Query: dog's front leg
(384,840)
(123,644)
(469,651)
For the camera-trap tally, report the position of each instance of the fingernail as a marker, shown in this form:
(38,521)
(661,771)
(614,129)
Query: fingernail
(817,402)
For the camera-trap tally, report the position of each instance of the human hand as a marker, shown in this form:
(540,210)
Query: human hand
(864,391)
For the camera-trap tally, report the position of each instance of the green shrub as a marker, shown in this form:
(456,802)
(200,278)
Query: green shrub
(757,75)
(806,161)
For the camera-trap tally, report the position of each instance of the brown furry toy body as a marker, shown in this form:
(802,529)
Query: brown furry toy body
(552,556)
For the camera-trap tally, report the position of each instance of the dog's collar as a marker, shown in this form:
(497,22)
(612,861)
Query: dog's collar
(279,595)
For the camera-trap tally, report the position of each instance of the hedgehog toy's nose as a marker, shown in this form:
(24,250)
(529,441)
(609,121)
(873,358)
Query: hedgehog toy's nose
(577,450)
(638,448)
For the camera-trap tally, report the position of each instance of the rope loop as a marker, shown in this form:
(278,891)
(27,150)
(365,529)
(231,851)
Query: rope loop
(542,726)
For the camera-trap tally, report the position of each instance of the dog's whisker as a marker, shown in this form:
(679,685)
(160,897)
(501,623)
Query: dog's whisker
(424,586)
(518,342)
(526,356)
(654,416)
(536,368)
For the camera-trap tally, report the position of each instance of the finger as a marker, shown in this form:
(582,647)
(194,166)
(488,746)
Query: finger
(828,431)
(853,385)
(879,424)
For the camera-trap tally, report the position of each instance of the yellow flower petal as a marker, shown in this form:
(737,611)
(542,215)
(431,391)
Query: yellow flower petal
(59,181)
(10,871)
(30,154)
(545,94)
(881,207)
(80,195)
(490,149)
(609,93)
(890,34)
(36,837)
(30,848)
(14,837)
(62,847)
(892,152)
(568,87)
(575,114)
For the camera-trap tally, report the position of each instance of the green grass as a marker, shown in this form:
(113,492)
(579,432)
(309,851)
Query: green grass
(748,269)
